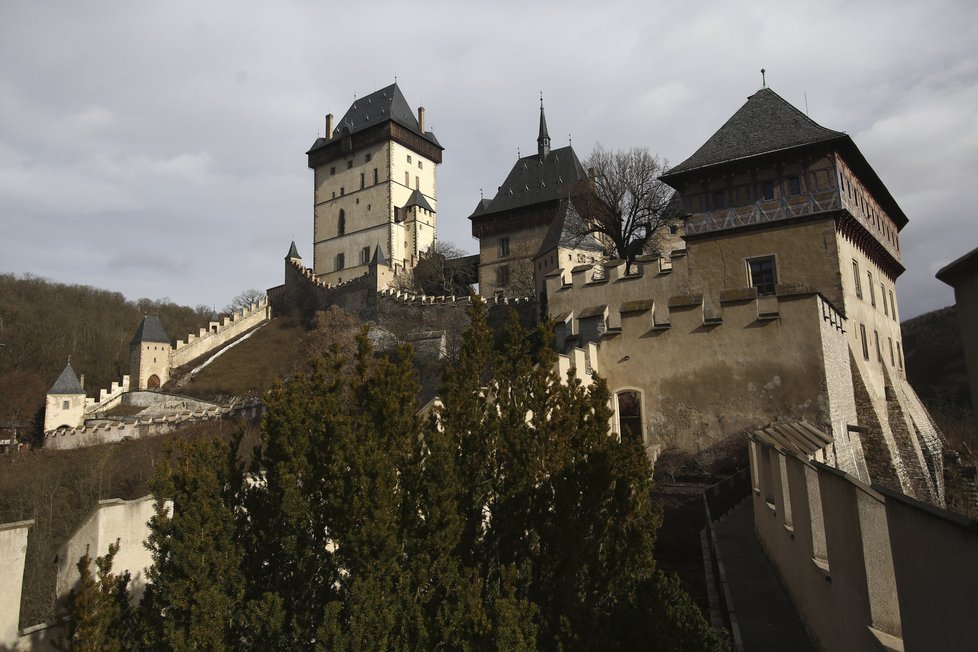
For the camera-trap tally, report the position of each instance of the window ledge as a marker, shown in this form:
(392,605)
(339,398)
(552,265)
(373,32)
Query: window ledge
(789,530)
(887,642)
(771,506)
(822,567)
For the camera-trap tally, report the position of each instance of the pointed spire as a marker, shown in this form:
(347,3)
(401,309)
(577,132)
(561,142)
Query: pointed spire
(67,383)
(293,253)
(378,258)
(543,140)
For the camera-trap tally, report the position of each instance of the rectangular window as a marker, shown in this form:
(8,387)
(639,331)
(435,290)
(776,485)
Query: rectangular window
(376,176)
(503,247)
(407,178)
(768,190)
(365,255)
(334,194)
(892,307)
(417,183)
(502,276)
(856,280)
(366,159)
(719,200)
(340,262)
(886,310)
(332,171)
(65,405)
(872,295)
(879,350)
(862,336)
(420,167)
(408,158)
(342,191)
(349,164)
(761,274)
(794,185)
(889,341)
(899,355)
(363,180)
(630,416)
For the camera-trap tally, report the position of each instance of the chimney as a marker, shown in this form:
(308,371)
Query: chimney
(421,119)
(329,126)
(81,381)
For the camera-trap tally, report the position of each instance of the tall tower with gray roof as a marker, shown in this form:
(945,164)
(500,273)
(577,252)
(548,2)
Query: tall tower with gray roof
(149,355)
(374,186)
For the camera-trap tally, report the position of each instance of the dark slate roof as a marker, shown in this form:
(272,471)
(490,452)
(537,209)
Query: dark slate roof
(535,179)
(293,252)
(766,123)
(481,207)
(67,383)
(418,199)
(379,258)
(953,272)
(150,330)
(560,233)
(386,104)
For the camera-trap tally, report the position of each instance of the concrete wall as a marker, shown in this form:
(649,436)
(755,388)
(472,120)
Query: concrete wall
(866,567)
(13,551)
(125,522)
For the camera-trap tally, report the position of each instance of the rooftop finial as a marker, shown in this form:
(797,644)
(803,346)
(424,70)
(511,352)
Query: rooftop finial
(481,196)
(570,141)
(763,78)
(543,140)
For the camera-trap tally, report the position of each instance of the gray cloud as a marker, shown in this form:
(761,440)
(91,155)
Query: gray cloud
(176,132)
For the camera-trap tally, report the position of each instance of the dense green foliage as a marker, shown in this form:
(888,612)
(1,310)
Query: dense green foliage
(99,608)
(506,518)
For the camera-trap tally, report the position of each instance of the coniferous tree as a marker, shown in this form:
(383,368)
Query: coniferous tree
(98,608)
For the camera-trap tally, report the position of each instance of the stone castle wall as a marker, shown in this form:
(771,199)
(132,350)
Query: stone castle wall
(226,330)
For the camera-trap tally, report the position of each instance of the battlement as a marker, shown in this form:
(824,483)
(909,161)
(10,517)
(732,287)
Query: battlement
(219,333)
(421,299)
(107,398)
(113,431)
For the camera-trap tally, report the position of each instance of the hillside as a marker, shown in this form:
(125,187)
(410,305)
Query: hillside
(935,359)
(43,323)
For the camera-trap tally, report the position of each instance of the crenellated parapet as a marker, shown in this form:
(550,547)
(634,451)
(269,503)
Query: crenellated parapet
(220,332)
(107,398)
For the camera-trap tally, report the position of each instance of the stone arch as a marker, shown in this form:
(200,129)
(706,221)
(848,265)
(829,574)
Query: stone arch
(153,382)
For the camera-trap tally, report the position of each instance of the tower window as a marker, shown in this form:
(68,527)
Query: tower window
(503,247)
(862,336)
(768,190)
(341,224)
(349,164)
(363,180)
(342,191)
(366,159)
(794,185)
(872,295)
(420,166)
(332,171)
(408,158)
(376,176)
(340,262)
(856,280)
(407,178)
(502,276)
(761,274)
(417,183)
(892,307)
(883,299)
(719,200)
(630,416)
(65,405)
(365,255)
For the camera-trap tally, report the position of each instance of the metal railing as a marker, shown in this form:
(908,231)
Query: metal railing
(762,212)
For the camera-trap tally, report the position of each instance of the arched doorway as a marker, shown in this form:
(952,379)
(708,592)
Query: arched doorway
(153,382)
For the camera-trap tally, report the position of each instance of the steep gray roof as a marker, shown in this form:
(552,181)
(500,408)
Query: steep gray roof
(379,258)
(293,252)
(536,179)
(561,234)
(418,199)
(150,330)
(481,207)
(386,104)
(766,123)
(67,383)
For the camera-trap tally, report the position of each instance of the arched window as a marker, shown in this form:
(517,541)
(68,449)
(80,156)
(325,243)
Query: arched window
(629,409)
(341,223)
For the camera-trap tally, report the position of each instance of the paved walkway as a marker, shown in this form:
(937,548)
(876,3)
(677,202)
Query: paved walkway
(765,615)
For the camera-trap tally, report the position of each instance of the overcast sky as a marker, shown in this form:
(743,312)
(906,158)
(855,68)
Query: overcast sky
(158,149)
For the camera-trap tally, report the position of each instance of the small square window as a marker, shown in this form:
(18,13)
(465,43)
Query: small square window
(761,274)
(719,200)
(65,405)
(794,185)
(408,158)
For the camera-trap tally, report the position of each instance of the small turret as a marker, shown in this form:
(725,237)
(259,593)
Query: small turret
(65,404)
(149,354)
(293,253)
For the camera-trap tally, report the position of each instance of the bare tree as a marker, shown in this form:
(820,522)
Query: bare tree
(626,207)
(244,300)
(441,272)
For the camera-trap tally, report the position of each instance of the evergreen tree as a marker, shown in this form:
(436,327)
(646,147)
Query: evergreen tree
(98,608)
